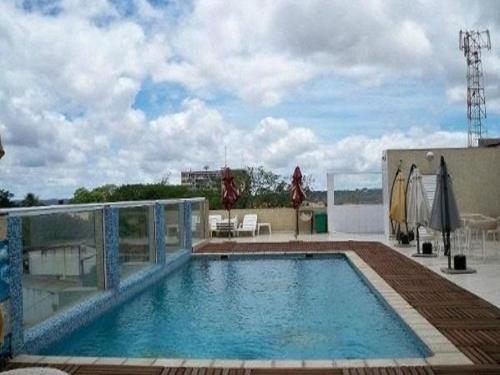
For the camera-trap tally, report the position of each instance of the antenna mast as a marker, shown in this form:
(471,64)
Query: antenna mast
(471,43)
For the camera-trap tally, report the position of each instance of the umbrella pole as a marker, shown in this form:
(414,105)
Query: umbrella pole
(229,224)
(447,247)
(418,239)
(296,222)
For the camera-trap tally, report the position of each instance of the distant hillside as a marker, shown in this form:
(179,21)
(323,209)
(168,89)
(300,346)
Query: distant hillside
(318,196)
(358,196)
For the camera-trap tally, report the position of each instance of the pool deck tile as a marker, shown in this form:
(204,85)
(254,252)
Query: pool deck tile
(319,364)
(198,363)
(348,363)
(82,360)
(55,359)
(26,358)
(227,363)
(380,362)
(410,362)
(139,361)
(448,358)
(110,360)
(168,362)
(288,363)
(257,364)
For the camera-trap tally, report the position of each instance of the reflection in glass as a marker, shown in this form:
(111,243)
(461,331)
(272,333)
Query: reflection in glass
(136,228)
(173,227)
(62,262)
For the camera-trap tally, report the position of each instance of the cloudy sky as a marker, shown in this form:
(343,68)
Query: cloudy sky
(95,92)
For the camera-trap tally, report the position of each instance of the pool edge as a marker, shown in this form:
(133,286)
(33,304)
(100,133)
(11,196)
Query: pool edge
(443,352)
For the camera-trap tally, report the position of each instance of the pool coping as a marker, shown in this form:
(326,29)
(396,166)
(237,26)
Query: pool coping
(443,352)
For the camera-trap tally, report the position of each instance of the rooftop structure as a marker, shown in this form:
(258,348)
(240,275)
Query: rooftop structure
(205,179)
(471,43)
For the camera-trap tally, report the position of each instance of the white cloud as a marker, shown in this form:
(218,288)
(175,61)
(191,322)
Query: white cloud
(68,84)
(262,51)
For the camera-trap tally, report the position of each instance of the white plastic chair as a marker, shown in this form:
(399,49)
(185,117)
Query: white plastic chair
(494,233)
(212,221)
(249,224)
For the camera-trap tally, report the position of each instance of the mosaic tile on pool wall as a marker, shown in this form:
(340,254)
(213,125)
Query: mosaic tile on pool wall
(45,333)
(111,244)
(4,271)
(7,328)
(160,233)
(15,248)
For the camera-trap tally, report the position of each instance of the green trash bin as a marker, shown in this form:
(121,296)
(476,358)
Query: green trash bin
(320,222)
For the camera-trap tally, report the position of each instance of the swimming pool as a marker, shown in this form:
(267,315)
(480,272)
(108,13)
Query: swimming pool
(251,308)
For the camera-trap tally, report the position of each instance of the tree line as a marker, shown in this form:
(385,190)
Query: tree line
(259,188)
(6,200)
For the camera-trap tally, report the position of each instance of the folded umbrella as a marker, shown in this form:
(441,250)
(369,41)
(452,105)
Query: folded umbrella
(444,213)
(230,194)
(298,195)
(417,205)
(397,212)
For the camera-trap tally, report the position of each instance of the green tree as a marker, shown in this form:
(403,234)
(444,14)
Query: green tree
(30,200)
(97,195)
(258,188)
(6,199)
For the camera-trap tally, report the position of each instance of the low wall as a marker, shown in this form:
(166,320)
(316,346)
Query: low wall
(351,218)
(281,219)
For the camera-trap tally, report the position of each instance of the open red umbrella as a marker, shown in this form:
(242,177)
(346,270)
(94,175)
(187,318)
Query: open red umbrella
(298,195)
(230,194)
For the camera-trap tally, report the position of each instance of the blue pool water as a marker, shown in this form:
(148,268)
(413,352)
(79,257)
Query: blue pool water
(250,308)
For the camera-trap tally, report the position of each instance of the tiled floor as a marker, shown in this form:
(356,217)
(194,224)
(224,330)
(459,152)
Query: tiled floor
(485,283)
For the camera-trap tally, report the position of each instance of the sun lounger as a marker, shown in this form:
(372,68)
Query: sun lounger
(249,224)
(224,226)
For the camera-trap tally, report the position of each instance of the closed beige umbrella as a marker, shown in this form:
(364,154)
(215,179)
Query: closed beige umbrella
(397,211)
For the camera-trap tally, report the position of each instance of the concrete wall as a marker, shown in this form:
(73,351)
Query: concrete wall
(356,218)
(281,219)
(475,173)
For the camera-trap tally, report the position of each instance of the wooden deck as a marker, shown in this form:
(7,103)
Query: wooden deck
(469,322)
(145,370)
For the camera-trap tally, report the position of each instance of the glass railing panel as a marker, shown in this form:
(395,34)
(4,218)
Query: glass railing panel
(136,243)
(62,262)
(196,222)
(173,227)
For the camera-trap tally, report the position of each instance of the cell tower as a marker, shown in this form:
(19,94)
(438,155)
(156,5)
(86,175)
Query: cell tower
(471,43)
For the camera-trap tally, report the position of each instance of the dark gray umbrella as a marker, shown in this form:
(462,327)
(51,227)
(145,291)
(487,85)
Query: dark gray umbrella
(2,152)
(444,213)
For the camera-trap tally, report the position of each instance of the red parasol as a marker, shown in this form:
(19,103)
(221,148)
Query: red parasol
(298,195)
(230,193)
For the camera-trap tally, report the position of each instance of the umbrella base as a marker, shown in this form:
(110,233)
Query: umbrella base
(453,271)
(422,255)
(402,245)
